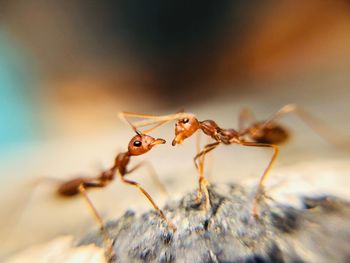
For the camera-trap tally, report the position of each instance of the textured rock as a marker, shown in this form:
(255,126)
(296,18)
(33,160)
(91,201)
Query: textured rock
(320,232)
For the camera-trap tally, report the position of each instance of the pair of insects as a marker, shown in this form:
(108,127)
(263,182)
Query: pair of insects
(250,133)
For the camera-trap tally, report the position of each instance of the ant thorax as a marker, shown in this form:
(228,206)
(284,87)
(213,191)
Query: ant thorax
(122,161)
(225,136)
(210,128)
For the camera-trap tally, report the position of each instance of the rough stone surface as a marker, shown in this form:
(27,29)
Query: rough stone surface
(320,232)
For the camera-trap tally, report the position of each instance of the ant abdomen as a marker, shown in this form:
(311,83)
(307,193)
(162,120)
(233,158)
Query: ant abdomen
(271,133)
(71,188)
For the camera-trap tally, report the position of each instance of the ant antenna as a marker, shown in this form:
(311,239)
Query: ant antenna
(149,120)
(123,118)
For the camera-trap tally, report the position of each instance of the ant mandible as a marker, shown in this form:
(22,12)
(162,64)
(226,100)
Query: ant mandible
(140,144)
(267,134)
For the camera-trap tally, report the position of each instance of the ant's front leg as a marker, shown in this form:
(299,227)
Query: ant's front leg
(202,181)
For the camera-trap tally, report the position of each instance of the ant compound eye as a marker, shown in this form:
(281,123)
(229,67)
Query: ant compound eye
(137,143)
(185,120)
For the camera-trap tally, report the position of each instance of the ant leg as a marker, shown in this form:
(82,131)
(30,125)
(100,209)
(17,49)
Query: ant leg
(198,142)
(18,208)
(289,108)
(92,208)
(198,149)
(209,158)
(200,168)
(265,173)
(108,241)
(152,173)
(245,116)
(203,183)
(324,130)
(160,212)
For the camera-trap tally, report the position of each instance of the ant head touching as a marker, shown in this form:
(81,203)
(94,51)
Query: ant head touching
(142,143)
(184,128)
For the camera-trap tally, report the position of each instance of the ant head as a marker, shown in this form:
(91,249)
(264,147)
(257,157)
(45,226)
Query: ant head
(142,143)
(184,128)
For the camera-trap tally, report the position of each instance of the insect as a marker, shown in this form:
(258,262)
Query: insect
(267,134)
(140,144)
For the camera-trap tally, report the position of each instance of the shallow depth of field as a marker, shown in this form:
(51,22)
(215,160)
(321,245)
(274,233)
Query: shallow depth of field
(67,69)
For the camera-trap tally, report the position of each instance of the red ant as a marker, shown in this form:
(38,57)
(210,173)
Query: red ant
(268,134)
(138,145)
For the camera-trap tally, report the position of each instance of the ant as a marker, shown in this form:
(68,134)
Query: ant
(140,144)
(267,134)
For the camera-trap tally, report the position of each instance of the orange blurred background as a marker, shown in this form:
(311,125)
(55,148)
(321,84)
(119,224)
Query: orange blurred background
(86,60)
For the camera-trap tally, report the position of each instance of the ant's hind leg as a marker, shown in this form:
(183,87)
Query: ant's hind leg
(261,185)
(246,117)
(318,126)
(107,240)
(92,208)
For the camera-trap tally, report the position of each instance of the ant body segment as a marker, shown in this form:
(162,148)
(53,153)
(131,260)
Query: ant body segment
(267,134)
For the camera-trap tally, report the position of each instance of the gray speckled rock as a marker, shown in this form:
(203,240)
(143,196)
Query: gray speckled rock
(318,233)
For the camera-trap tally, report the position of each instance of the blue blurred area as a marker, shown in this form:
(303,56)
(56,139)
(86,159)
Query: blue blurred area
(17,95)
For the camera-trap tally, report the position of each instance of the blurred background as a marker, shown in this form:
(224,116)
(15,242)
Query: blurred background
(68,67)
